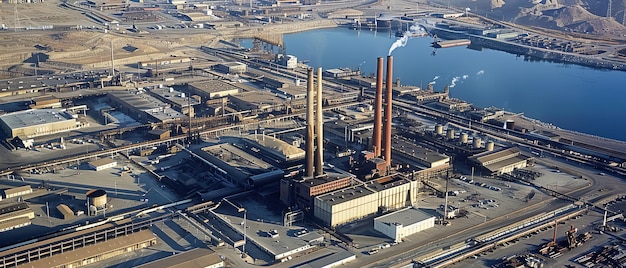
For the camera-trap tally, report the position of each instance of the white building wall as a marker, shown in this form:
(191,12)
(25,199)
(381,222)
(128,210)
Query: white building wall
(103,167)
(397,232)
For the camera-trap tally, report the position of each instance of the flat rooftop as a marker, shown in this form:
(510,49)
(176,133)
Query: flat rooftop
(412,150)
(260,98)
(386,183)
(509,161)
(405,217)
(179,98)
(102,162)
(148,104)
(214,86)
(346,194)
(34,117)
(279,147)
(94,250)
(491,156)
(237,158)
(139,99)
(195,258)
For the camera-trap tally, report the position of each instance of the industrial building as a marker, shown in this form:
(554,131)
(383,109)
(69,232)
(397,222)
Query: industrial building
(502,161)
(421,162)
(288,61)
(366,82)
(259,101)
(14,216)
(227,162)
(429,94)
(303,190)
(17,191)
(452,105)
(34,123)
(195,258)
(107,5)
(403,223)
(357,202)
(165,61)
(213,89)
(45,102)
(292,92)
(179,101)
(143,107)
(333,260)
(486,114)
(96,252)
(65,211)
(274,148)
(102,164)
(341,72)
(231,67)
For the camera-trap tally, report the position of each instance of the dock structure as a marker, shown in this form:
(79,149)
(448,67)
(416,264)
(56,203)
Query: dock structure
(452,43)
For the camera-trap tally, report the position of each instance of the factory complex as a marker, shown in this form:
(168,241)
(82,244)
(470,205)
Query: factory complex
(241,163)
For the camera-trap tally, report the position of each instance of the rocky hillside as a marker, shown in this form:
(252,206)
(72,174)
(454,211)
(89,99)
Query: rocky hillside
(584,16)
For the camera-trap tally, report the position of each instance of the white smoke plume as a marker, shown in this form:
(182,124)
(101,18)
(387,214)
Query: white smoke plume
(418,30)
(480,72)
(400,42)
(433,81)
(454,80)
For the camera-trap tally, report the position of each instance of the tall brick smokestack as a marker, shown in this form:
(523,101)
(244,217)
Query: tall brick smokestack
(310,136)
(378,110)
(319,127)
(388,113)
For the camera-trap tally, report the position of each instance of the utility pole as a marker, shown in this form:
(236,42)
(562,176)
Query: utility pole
(112,61)
(445,208)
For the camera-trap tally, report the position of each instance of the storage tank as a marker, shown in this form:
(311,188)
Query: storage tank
(464,137)
(490,146)
(450,133)
(97,198)
(477,143)
(439,129)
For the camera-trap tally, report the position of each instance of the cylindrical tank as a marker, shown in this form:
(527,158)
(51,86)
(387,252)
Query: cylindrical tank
(477,143)
(97,198)
(464,137)
(490,146)
(450,133)
(439,129)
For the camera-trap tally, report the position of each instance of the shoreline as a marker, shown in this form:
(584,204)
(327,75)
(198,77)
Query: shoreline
(533,52)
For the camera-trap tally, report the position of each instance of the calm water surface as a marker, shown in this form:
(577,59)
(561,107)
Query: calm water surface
(569,96)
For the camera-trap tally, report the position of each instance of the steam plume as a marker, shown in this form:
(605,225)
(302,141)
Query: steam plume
(454,80)
(400,42)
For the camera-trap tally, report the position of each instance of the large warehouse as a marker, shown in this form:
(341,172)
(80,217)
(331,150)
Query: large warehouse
(357,202)
(34,123)
(500,162)
(403,223)
(230,163)
(143,107)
